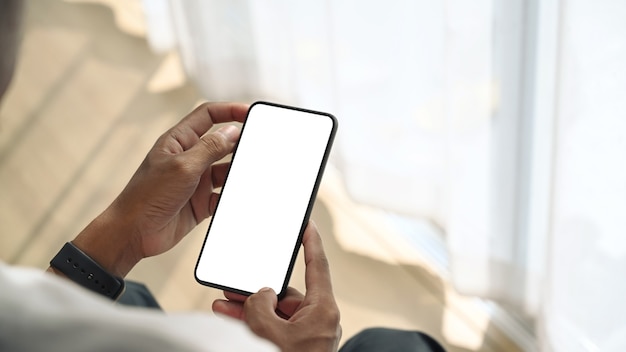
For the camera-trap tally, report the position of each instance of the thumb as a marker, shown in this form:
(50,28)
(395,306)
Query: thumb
(260,315)
(215,145)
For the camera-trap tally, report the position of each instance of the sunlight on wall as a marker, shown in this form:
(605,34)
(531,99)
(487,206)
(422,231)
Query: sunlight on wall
(169,76)
(128,14)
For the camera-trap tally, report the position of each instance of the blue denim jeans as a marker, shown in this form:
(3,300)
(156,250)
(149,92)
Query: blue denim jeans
(391,340)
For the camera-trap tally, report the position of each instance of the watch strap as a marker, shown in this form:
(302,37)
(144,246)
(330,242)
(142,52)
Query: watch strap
(83,270)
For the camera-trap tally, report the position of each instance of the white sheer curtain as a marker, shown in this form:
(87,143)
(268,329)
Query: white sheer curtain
(586,287)
(504,122)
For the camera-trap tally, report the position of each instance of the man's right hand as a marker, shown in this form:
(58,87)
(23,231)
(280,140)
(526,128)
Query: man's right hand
(297,322)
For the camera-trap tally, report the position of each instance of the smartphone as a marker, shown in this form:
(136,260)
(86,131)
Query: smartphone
(257,227)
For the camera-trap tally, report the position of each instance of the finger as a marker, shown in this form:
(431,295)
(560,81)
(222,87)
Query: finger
(291,302)
(211,179)
(204,191)
(317,272)
(287,306)
(206,115)
(218,174)
(260,315)
(292,293)
(213,146)
(214,198)
(232,296)
(228,308)
(188,131)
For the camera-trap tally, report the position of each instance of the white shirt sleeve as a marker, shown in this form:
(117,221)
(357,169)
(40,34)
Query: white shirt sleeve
(39,311)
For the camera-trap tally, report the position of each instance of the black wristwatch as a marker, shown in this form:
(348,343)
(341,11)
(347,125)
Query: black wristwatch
(83,270)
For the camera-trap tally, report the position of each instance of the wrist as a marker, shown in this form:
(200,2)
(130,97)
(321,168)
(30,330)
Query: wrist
(110,240)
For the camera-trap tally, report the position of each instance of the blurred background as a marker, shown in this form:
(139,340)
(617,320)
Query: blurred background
(477,187)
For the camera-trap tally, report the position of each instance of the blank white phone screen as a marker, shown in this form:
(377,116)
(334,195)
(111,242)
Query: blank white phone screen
(254,231)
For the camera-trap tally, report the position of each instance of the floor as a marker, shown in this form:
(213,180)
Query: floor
(88,100)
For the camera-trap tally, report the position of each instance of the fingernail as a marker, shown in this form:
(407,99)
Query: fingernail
(230,132)
(265,289)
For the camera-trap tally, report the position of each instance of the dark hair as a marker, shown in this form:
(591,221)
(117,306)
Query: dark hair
(10,19)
